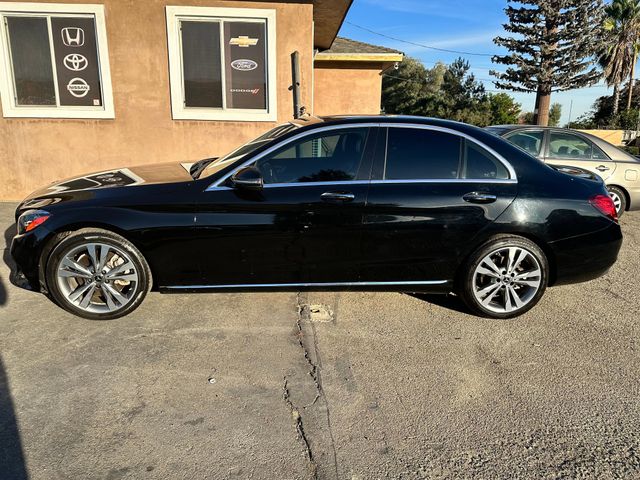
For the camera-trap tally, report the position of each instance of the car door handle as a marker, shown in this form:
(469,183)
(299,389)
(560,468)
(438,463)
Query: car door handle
(337,197)
(602,168)
(479,197)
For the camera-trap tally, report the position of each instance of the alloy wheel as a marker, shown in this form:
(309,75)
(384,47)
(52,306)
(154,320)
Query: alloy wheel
(97,277)
(507,279)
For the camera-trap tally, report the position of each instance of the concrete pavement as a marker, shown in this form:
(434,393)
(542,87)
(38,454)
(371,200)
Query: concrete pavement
(270,386)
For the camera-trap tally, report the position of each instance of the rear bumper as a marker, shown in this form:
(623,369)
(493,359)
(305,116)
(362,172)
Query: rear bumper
(585,257)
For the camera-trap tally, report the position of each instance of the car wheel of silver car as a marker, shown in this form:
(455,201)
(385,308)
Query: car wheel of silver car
(505,277)
(97,274)
(619,199)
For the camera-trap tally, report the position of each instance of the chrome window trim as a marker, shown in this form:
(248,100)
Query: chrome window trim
(217,185)
(286,285)
(379,182)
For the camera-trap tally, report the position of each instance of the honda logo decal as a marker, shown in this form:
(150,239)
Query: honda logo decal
(73,36)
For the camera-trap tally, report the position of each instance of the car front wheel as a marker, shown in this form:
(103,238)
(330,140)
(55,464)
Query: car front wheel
(505,277)
(97,274)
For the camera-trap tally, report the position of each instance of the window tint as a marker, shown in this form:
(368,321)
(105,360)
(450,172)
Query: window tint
(414,154)
(568,145)
(326,157)
(31,57)
(530,141)
(201,64)
(480,165)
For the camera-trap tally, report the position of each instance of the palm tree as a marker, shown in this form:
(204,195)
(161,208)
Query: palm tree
(615,61)
(622,26)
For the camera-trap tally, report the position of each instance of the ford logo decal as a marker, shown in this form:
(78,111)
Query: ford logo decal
(244,65)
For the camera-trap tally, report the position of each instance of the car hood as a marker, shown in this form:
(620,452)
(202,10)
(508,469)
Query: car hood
(117,178)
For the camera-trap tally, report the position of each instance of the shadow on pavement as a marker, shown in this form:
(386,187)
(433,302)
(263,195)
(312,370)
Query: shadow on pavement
(12,465)
(450,302)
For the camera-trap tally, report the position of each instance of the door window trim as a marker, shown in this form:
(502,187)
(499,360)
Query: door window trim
(585,139)
(218,184)
(513,178)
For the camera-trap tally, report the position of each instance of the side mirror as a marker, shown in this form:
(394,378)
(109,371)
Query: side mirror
(248,178)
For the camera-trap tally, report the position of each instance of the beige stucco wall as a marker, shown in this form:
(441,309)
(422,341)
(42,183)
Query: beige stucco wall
(612,136)
(347,88)
(35,152)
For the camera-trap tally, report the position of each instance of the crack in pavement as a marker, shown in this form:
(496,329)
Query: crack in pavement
(314,367)
(295,413)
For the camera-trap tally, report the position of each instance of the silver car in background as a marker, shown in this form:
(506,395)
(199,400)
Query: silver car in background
(560,146)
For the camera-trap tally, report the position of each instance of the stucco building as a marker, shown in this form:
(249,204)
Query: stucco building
(89,87)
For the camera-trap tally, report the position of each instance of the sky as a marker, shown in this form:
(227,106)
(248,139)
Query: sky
(463,25)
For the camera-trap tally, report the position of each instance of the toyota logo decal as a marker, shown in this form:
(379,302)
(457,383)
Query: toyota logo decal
(244,65)
(75,62)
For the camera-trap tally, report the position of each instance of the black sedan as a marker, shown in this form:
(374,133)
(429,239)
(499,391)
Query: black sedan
(366,203)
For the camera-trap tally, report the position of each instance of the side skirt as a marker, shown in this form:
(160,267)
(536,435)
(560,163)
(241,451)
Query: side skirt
(433,286)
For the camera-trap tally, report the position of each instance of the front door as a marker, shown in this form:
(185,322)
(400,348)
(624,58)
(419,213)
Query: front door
(435,192)
(303,227)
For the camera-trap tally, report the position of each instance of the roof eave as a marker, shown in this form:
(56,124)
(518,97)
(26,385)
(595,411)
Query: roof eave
(359,57)
(328,17)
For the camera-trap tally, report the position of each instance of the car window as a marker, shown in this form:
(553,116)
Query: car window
(481,165)
(568,145)
(324,157)
(530,141)
(414,154)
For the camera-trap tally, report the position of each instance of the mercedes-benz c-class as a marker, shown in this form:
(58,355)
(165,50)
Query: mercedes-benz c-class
(364,203)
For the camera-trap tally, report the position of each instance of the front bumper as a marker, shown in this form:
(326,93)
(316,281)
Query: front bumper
(26,251)
(586,257)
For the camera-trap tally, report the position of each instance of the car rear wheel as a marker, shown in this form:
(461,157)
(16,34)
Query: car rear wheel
(619,199)
(505,277)
(97,274)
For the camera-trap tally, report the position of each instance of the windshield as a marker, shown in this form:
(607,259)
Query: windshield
(246,149)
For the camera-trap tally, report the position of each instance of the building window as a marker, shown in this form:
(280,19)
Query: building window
(222,63)
(55,61)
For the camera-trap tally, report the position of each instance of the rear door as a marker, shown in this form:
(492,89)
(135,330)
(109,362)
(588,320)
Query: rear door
(568,148)
(432,191)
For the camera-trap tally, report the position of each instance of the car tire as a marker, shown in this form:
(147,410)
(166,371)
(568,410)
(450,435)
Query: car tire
(504,278)
(96,274)
(619,199)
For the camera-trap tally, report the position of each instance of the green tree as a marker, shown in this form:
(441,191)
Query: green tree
(551,49)
(555,113)
(620,52)
(504,109)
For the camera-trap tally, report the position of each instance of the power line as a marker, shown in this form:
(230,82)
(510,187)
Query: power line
(459,52)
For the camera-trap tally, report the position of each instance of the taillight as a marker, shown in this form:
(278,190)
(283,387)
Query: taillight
(605,205)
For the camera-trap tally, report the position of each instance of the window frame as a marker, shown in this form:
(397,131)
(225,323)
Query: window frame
(363,166)
(378,156)
(463,137)
(49,10)
(179,111)
(586,140)
(543,142)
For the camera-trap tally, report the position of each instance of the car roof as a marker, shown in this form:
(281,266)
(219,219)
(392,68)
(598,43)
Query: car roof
(310,120)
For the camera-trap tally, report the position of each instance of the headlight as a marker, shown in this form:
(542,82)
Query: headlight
(31,219)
